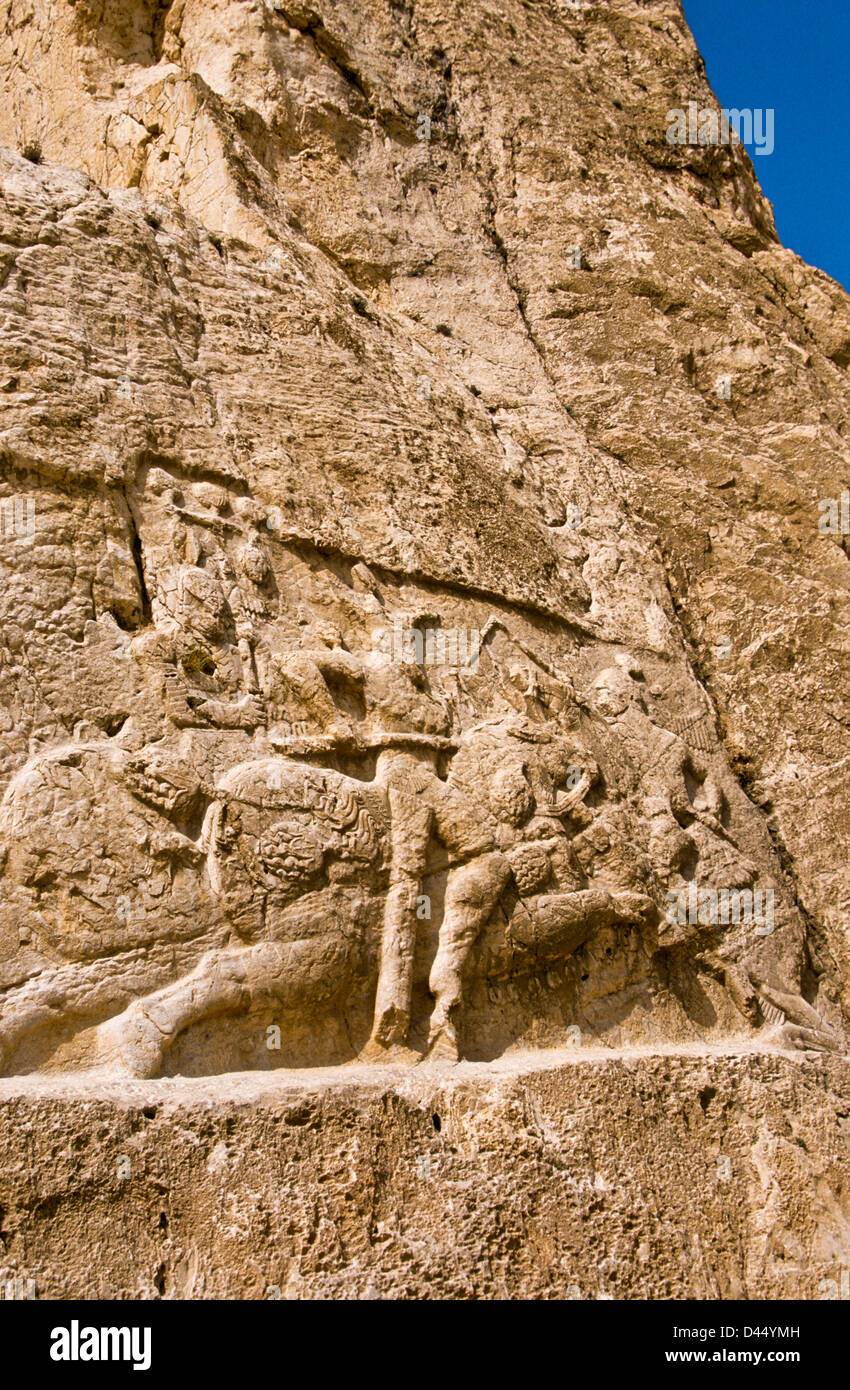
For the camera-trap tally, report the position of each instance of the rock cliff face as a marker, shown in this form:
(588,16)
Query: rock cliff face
(419,634)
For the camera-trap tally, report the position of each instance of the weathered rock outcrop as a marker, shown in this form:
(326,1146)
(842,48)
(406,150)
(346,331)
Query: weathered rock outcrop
(406,650)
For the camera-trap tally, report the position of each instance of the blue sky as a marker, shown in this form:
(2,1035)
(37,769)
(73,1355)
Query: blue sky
(793,56)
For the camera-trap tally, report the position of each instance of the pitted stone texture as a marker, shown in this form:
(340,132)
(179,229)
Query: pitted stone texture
(661,1177)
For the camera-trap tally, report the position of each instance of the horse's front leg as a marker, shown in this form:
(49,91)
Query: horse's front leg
(226,981)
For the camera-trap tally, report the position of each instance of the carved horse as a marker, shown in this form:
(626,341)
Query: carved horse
(278,901)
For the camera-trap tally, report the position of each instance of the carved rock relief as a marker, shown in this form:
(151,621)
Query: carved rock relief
(287,837)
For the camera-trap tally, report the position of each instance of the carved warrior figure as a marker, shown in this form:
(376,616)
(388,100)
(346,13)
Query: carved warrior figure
(516,838)
(304,676)
(205,606)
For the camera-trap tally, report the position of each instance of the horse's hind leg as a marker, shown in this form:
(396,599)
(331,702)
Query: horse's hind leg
(226,981)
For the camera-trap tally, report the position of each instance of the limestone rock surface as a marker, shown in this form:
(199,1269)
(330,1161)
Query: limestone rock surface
(662,1177)
(408,651)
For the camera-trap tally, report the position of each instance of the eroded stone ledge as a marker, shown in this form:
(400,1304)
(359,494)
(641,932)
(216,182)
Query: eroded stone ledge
(648,1176)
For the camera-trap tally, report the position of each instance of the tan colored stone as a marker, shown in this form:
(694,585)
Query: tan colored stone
(395,613)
